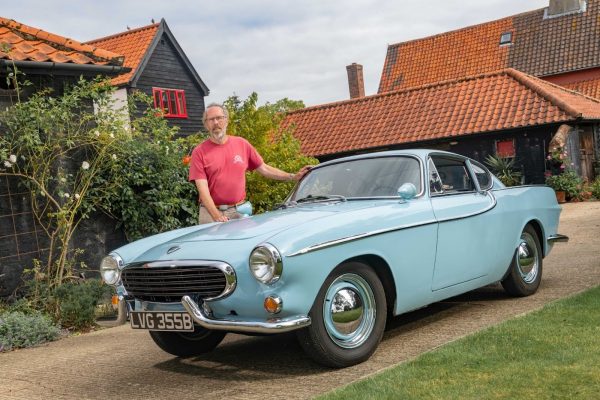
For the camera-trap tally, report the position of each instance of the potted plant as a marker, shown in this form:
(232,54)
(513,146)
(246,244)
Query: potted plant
(568,183)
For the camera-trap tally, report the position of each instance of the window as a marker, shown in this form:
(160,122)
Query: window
(171,101)
(505,148)
(452,174)
(506,38)
(483,176)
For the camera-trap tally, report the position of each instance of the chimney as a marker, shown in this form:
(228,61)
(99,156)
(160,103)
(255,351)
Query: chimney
(557,8)
(356,82)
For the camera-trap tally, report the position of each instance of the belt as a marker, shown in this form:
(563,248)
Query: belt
(224,207)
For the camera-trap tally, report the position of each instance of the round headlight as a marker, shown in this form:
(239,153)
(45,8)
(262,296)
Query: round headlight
(109,269)
(265,263)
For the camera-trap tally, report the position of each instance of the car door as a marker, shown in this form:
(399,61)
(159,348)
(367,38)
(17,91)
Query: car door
(461,210)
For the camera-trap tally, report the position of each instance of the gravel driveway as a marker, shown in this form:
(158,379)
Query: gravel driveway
(123,363)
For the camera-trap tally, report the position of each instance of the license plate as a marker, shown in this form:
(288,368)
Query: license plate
(162,321)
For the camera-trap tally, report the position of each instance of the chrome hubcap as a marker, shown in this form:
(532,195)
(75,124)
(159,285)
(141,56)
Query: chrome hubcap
(528,258)
(349,311)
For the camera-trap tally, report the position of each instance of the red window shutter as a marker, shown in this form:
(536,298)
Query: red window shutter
(505,148)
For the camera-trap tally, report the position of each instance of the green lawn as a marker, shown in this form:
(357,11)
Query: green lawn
(553,353)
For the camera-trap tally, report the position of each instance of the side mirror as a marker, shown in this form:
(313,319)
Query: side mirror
(407,191)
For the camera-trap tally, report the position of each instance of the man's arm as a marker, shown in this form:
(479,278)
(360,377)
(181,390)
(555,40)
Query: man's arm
(207,201)
(275,173)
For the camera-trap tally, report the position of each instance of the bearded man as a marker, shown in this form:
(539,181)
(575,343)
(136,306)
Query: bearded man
(218,168)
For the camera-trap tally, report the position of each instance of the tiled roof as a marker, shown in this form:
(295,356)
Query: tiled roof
(452,55)
(539,47)
(497,101)
(19,42)
(590,87)
(133,44)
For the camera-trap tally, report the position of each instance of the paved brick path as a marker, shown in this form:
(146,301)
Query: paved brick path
(122,363)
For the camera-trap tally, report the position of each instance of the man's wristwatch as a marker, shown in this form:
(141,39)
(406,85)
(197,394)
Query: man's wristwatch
(291,176)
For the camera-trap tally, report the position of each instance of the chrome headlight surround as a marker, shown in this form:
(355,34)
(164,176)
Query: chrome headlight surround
(110,269)
(265,263)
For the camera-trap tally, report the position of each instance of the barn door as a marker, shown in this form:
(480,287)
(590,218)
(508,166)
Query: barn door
(586,146)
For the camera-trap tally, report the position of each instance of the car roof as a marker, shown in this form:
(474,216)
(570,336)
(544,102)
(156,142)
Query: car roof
(420,153)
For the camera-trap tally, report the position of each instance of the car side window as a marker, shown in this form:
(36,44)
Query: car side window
(482,175)
(453,174)
(435,183)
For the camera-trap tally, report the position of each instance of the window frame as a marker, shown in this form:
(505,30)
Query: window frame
(502,154)
(506,38)
(174,98)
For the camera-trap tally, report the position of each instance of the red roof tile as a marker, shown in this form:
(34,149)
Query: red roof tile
(20,42)
(452,55)
(133,44)
(496,101)
(540,46)
(589,87)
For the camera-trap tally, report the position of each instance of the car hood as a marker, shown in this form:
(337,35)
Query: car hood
(212,241)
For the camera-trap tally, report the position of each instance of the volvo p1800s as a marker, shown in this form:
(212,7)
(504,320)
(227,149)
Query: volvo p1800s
(358,241)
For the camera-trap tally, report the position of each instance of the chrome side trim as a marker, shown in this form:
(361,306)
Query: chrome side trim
(228,271)
(347,239)
(275,325)
(335,242)
(557,238)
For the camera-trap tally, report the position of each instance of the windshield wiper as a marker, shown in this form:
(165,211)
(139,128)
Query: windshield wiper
(319,198)
(285,205)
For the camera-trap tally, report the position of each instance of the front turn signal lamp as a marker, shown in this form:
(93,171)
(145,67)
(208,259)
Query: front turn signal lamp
(273,304)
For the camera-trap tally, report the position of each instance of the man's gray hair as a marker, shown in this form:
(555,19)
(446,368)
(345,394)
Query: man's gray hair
(211,105)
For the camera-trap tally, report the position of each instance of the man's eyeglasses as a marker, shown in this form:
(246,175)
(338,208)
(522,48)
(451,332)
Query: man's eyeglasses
(216,119)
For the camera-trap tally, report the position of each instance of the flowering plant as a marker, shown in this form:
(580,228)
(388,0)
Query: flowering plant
(557,159)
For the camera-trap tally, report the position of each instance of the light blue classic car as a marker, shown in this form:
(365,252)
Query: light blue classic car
(359,240)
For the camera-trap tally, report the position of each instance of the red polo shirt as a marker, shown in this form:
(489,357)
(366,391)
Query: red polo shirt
(224,166)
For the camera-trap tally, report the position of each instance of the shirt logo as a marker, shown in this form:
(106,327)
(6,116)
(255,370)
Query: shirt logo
(237,159)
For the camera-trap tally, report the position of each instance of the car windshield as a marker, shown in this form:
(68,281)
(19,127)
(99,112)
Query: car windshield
(368,177)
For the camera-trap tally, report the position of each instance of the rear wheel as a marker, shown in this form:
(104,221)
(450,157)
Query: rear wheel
(347,318)
(525,271)
(186,344)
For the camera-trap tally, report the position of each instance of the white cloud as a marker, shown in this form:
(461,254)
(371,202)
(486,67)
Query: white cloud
(276,48)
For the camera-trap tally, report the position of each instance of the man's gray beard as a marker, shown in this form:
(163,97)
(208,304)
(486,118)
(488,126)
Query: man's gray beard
(218,136)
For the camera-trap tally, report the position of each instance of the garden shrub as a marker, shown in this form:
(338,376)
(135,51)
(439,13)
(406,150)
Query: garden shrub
(595,188)
(76,303)
(18,330)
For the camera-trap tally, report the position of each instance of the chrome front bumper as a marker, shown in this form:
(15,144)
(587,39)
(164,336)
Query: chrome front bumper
(274,325)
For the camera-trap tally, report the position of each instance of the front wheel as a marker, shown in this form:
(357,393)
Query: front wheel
(525,271)
(348,317)
(187,344)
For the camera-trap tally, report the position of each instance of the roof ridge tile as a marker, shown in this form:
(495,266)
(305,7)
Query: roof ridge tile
(124,33)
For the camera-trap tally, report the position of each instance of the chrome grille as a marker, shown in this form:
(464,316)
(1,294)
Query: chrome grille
(167,282)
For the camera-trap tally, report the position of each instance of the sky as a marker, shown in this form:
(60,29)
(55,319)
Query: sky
(279,49)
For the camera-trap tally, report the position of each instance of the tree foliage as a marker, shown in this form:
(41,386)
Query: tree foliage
(261,126)
(149,189)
